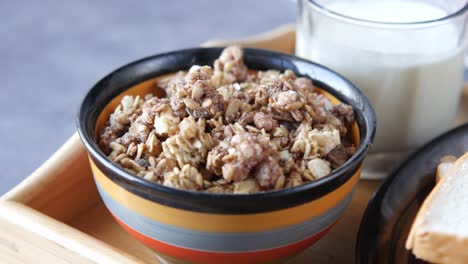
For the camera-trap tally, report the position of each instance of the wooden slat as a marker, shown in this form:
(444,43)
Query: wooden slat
(50,235)
(32,248)
(281,39)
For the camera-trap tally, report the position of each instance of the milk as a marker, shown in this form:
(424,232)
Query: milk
(412,77)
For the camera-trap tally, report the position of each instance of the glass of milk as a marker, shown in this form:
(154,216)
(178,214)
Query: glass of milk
(406,55)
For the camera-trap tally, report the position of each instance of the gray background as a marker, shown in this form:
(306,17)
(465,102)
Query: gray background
(52,52)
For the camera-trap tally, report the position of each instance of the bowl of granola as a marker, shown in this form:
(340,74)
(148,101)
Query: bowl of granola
(213,155)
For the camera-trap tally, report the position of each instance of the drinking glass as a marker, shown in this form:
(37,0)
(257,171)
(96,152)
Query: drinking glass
(407,56)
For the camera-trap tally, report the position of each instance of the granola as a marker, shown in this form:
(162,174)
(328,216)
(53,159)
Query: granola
(227,129)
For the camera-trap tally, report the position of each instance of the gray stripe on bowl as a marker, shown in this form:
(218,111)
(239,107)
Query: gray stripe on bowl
(223,242)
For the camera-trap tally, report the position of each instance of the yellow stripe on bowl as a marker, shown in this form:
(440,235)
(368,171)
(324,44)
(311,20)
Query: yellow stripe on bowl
(209,222)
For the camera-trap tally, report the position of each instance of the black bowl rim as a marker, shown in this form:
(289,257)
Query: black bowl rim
(367,133)
(369,225)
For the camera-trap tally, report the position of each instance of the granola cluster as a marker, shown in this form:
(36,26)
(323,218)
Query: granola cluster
(225,129)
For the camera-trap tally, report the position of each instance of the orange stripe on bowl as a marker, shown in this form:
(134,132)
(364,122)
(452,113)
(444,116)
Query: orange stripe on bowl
(222,257)
(209,222)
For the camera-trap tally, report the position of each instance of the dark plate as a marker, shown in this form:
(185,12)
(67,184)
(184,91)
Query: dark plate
(390,213)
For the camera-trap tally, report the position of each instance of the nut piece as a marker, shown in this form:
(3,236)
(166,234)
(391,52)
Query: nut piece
(264,121)
(231,62)
(304,85)
(267,173)
(345,113)
(315,143)
(318,168)
(246,154)
(288,100)
(339,155)
(232,111)
(195,94)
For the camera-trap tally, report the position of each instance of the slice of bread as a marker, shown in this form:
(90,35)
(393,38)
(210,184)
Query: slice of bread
(440,231)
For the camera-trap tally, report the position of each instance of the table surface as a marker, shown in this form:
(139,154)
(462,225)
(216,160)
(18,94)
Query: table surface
(52,52)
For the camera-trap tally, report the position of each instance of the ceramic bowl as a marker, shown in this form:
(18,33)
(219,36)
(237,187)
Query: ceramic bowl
(197,227)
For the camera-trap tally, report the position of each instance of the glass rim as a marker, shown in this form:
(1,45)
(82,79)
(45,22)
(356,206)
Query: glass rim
(397,25)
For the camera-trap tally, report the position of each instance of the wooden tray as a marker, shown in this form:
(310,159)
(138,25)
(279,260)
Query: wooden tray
(56,215)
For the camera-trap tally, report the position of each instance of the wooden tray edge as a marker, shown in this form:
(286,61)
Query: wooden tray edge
(61,234)
(281,39)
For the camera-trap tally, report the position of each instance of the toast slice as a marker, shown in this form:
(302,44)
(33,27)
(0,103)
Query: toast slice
(440,231)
